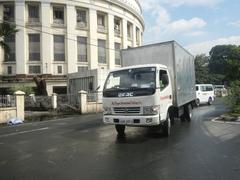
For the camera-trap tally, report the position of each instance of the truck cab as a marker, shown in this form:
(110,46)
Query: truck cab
(205,94)
(138,96)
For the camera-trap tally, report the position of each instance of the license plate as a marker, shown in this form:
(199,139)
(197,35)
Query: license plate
(122,121)
(128,122)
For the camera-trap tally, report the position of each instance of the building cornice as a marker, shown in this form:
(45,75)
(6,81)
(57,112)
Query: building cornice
(122,3)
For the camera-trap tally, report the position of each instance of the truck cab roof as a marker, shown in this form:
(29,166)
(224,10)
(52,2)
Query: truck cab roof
(141,66)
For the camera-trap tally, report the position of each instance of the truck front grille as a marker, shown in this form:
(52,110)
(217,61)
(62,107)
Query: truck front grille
(126,110)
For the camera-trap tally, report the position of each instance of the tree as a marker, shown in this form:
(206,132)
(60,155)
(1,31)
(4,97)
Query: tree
(6,30)
(201,69)
(41,86)
(223,61)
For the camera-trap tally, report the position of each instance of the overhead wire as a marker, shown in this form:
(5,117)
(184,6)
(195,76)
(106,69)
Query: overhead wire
(44,32)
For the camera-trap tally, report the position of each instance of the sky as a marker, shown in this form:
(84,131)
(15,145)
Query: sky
(198,25)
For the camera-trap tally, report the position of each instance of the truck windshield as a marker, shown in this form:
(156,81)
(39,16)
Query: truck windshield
(137,82)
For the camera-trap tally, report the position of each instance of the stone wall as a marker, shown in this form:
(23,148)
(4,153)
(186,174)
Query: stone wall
(7,113)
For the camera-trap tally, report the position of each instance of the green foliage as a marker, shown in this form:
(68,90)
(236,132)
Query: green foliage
(233,99)
(233,69)
(6,30)
(224,61)
(203,74)
(201,69)
(219,56)
(27,89)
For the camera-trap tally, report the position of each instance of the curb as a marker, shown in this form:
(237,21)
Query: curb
(224,122)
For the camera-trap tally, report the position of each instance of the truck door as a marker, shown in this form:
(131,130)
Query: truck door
(165,92)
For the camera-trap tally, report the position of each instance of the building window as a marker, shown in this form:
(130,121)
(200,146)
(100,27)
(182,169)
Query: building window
(34,69)
(82,49)
(9,70)
(81,18)
(34,47)
(33,13)
(129,30)
(101,22)
(59,69)
(102,51)
(137,36)
(10,41)
(117,54)
(58,15)
(82,68)
(8,12)
(117,27)
(59,48)
(60,89)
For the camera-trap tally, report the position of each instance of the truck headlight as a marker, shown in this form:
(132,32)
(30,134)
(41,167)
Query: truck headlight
(107,110)
(151,110)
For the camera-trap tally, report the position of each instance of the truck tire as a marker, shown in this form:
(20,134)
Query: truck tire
(188,112)
(197,102)
(210,101)
(166,127)
(120,129)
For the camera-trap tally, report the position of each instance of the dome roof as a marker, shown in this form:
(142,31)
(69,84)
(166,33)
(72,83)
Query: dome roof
(134,4)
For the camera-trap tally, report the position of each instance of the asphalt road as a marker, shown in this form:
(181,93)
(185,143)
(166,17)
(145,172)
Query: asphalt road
(82,148)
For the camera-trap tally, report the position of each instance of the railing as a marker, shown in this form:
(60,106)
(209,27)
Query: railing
(102,29)
(94,97)
(7,101)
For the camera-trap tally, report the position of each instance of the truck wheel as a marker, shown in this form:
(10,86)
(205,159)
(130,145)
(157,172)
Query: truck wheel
(166,127)
(120,129)
(210,101)
(197,102)
(188,112)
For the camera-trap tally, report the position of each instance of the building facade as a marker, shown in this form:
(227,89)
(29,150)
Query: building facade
(56,37)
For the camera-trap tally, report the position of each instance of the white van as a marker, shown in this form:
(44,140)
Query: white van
(205,94)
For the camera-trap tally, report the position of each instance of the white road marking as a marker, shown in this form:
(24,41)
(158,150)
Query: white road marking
(23,132)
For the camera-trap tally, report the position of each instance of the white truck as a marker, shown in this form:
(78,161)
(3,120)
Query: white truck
(155,85)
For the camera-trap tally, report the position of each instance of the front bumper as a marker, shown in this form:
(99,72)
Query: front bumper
(132,120)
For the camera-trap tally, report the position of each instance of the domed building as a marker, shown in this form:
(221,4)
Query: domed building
(56,38)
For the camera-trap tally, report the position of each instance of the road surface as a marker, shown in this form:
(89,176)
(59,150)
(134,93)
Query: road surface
(81,147)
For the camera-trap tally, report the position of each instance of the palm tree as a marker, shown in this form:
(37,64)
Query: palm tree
(6,30)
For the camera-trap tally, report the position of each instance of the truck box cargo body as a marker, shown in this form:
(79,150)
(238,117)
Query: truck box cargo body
(180,64)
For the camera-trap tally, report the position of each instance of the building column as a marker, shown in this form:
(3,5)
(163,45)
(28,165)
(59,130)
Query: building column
(47,39)
(124,34)
(93,42)
(19,95)
(21,57)
(134,38)
(111,40)
(71,39)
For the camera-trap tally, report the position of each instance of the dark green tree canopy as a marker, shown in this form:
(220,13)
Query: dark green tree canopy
(219,56)
(222,66)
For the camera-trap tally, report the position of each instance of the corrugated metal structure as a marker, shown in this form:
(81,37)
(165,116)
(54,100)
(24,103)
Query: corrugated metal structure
(91,81)
(180,64)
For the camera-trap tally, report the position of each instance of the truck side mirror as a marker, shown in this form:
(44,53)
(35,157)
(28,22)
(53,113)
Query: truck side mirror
(98,88)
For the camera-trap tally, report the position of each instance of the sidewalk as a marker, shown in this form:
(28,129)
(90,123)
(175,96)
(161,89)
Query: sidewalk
(31,116)
(227,118)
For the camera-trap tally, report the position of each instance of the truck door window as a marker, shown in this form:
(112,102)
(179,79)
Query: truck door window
(163,79)
(197,88)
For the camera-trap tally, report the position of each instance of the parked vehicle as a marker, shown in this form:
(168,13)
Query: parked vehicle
(144,94)
(220,90)
(205,94)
